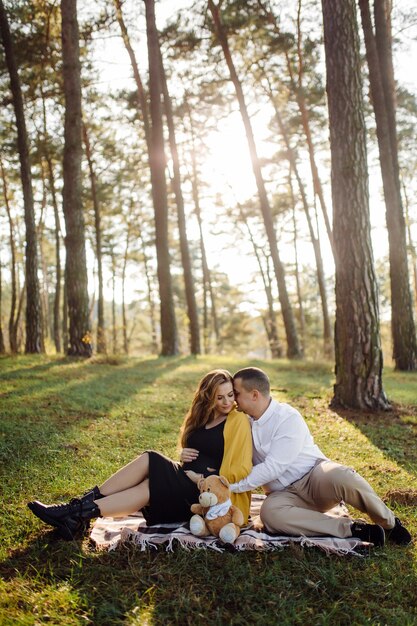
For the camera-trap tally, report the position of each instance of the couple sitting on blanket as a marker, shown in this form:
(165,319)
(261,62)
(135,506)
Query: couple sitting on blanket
(301,484)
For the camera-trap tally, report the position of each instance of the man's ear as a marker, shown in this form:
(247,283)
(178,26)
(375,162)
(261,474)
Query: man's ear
(255,394)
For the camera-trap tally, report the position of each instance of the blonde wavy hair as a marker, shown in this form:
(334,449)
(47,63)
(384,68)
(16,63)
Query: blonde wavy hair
(202,409)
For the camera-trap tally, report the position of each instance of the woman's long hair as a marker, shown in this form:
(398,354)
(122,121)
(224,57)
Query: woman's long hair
(202,408)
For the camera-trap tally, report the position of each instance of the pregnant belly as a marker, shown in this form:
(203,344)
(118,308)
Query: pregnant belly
(203,465)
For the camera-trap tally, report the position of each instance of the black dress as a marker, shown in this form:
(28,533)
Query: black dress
(171,491)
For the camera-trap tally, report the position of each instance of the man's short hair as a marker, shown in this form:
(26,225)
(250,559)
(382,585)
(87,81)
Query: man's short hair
(254,378)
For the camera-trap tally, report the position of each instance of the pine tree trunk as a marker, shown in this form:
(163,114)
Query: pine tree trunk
(298,91)
(75,267)
(270,320)
(381,78)
(194,327)
(33,302)
(151,303)
(124,315)
(327,332)
(101,330)
(43,264)
(115,346)
(169,339)
(293,347)
(13,294)
(2,346)
(141,102)
(58,272)
(301,314)
(357,339)
(411,247)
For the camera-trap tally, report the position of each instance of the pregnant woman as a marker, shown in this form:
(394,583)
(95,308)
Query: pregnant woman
(215,439)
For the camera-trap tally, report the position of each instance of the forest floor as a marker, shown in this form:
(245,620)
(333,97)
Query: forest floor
(67,424)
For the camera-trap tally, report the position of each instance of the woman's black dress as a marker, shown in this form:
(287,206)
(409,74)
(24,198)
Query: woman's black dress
(171,491)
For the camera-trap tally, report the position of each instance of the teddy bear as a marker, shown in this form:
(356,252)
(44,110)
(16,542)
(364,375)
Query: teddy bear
(215,514)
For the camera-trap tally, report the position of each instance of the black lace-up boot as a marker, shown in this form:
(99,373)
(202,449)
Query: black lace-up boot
(70,519)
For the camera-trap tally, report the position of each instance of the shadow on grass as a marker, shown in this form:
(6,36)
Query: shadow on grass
(394,432)
(293,586)
(51,401)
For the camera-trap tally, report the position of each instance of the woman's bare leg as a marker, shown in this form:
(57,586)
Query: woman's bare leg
(125,502)
(128,476)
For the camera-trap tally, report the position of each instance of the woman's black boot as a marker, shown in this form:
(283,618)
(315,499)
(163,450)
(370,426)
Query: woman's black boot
(70,519)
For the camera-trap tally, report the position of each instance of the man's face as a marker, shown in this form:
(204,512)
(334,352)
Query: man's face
(244,399)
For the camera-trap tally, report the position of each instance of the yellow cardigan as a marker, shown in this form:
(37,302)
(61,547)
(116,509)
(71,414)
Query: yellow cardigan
(237,456)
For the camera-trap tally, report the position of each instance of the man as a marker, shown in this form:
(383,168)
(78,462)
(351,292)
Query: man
(301,483)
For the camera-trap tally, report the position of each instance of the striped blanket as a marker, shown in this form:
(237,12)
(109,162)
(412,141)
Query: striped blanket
(108,533)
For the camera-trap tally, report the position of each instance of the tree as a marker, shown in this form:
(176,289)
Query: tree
(101,331)
(293,347)
(75,266)
(381,78)
(33,303)
(157,163)
(194,327)
(357,338)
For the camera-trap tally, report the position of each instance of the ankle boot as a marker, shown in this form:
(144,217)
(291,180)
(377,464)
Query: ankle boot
(69,519)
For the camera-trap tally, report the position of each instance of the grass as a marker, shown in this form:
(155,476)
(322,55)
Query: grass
(67,424)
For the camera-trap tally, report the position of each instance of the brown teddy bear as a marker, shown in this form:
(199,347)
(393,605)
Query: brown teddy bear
(215,514)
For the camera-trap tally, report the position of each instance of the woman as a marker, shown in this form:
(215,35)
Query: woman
(216,439)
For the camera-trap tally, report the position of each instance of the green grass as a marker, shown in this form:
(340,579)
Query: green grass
(67,424)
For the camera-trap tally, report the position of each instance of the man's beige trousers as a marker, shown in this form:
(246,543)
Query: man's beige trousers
(305,507)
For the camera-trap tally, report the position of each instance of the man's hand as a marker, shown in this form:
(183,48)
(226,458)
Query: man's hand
(188,455)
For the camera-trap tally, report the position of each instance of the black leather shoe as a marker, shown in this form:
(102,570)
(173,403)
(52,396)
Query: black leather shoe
(399,534)
(369,532)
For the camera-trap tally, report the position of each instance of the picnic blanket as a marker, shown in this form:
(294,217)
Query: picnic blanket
(108,533)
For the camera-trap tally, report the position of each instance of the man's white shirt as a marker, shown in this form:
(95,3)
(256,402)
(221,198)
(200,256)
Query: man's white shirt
(283,450)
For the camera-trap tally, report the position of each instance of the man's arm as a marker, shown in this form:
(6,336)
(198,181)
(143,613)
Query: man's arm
(287,443)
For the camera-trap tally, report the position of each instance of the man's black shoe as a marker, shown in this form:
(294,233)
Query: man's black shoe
(399,534)
(368,532)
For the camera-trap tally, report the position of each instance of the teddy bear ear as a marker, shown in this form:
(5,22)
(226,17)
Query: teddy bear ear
(224,481)
(200,483)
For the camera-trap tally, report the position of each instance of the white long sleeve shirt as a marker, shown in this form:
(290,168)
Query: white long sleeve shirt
(283,450)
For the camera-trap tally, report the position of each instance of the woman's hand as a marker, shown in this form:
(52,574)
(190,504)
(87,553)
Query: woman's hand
(194,476)
(188,455)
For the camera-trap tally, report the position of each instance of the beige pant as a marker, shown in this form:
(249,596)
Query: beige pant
(304,508)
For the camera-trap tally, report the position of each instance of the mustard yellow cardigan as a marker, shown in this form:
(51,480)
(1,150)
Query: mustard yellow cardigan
(237,456)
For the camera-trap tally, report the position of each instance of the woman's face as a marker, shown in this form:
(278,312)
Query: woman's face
(224,399)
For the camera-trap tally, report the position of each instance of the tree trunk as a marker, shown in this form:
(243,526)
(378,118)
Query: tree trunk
(298,91)
(2,346)
(270,321)
(381,78)
(207,284)
(151,303)
(13,294)
(43,264)
(113,304)
(327,332)
(293,347)
(194,327)
(75,266)
(101,330)
(33,303)
(142,104)
(357,338)
(157,163)
(124,316)
(410,246)
(57,297)
(301,315)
